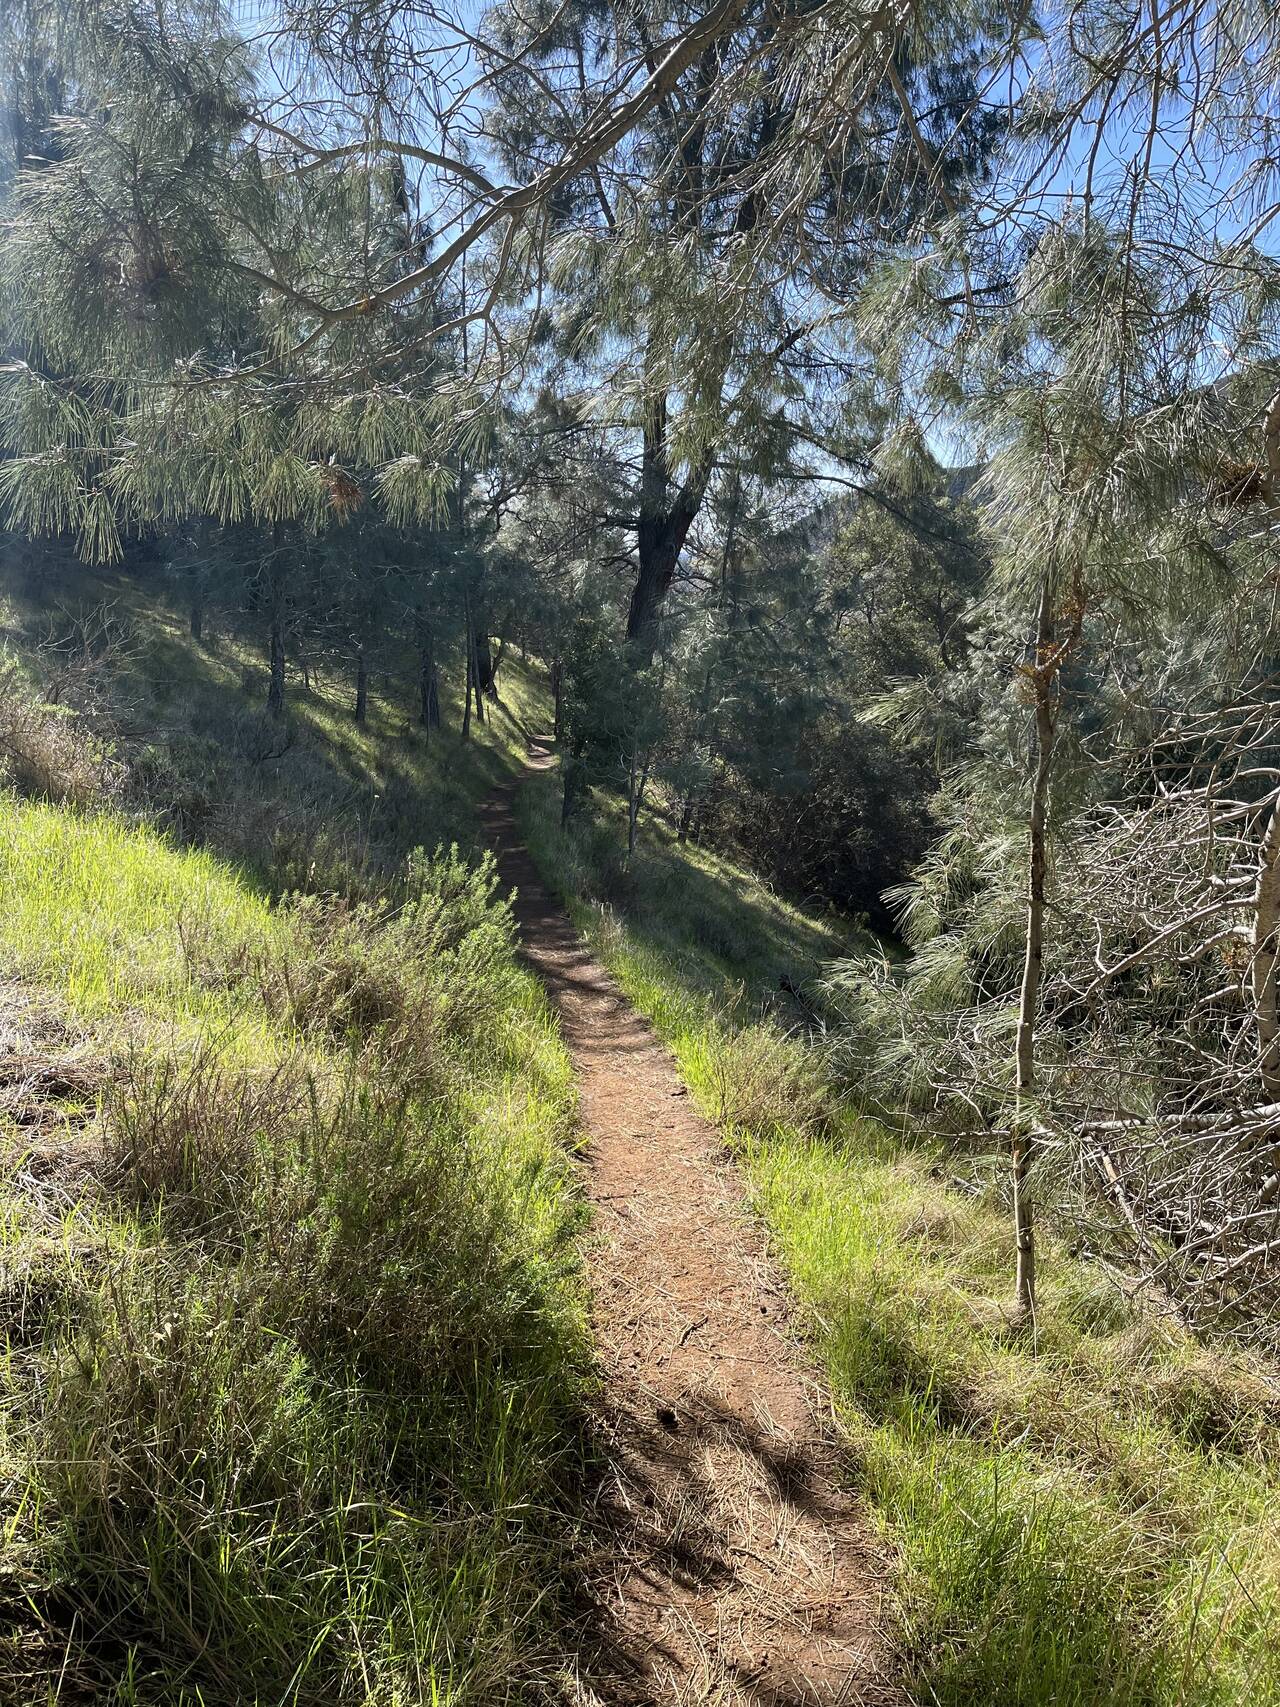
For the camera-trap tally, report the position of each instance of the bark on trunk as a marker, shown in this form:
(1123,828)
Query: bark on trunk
(472,693)
(657,553)
(477,696)
(666,515)
(428,681)
(637,782)
(499,654)
(486,669)
(362,688)
(276,587)
(1267,890)
(574,771)
(686,819)
(1265,918)
(1044,678)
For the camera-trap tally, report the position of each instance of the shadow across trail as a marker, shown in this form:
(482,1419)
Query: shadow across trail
(731,1566)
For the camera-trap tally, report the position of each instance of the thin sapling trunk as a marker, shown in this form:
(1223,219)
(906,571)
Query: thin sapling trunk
(276,601)
(1043,675)
(1266,896)
(362,688)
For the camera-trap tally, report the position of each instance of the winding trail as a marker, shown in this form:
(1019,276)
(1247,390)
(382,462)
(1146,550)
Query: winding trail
(733,1568)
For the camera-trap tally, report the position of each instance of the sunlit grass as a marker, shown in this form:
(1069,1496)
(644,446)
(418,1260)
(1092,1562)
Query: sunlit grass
(316,799)
(94,910)
(289,1403)
(295,1338)
(386,756)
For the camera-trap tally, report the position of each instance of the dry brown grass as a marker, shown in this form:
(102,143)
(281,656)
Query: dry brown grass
(765,1081)
(48,753)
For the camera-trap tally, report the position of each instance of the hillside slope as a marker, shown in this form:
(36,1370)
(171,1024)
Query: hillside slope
(296,1337)
(1086,1517)
(311,800)
(294,1406)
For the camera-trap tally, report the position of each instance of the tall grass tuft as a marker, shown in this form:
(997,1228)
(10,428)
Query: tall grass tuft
(303,1449)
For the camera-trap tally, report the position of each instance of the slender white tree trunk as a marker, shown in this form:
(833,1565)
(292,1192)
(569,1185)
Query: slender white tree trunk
(1266,912)
(1266,895)
(1044,678)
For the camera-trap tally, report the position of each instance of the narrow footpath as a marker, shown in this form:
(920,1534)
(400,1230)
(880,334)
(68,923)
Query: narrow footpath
(733,1568)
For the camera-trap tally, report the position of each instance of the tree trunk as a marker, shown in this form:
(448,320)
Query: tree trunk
(428,681)
(276,596)
(498,656)
(477,696)
(663,526)
(197,614)
(1265,918)
(557,694)
(472,694)
(1044,679)
(659,540)
(481,667)
(686,818)
(573,779)
(637,782)
(1267,889)
(362,688)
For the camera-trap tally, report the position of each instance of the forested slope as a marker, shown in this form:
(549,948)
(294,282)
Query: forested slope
(289,1170)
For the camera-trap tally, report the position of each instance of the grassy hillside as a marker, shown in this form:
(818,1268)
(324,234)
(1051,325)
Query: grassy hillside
(296,1346)
(314,801)
(1092,1518)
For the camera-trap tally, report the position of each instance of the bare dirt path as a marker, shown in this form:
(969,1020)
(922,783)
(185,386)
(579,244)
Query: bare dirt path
(734,1569)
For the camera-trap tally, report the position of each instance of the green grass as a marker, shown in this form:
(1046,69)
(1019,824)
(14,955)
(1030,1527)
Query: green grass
(95,910)
(1090,1519)
(296,1341)
(726,929)
(393,783)
(290,1396)
(296,1346)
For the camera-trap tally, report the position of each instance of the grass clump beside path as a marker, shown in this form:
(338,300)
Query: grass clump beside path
(294,1328)
(1094,1520)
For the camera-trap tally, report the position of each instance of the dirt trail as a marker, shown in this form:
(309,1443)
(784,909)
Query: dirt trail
(734,1568)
